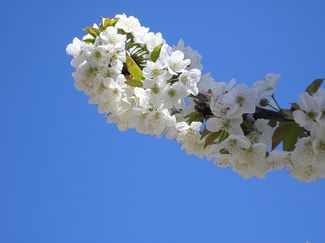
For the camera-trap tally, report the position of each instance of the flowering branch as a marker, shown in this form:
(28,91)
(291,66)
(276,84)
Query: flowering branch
(141,82)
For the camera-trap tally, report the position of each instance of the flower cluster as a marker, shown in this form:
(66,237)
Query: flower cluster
(139,81)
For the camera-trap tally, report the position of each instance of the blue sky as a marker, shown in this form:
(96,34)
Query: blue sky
(66,176)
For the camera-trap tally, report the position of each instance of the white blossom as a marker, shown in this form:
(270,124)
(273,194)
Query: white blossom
(263,132)
(112,40)
(74,48)
(266,87)
(318,138)
(189,53)
(232,126)
(128,24)
(153,40)
(240,100)
(173,95)
(218,89)
(155,73)
(190,79)
(310,109)
(176,62)
(168,96)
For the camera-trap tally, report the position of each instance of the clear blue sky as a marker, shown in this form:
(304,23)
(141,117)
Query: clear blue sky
(68,177)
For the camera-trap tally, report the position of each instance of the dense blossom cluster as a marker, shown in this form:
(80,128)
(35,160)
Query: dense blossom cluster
(141,82)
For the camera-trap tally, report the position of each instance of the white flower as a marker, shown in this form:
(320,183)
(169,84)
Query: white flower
(318,138)
(320,96)
(301,166)
(116,87)
(153,40)
(232,126)
(190,79)
(207,83)
(240,100)
(251,161)
(155,73)
(140,34)
(173,95)
(128,24)
(139,99)
(189,53)
(217,108)
(307,160)
(156,96)
(319,165)
(176,62)
(97,55)
(164,54)
(74,48)
(135,118)
(310,109)
(266,87)
(264,131)
(190,138)
(112,39)
(278,159)
(111,96)
(158,121)
(84,77)
(234,143)
(184,126)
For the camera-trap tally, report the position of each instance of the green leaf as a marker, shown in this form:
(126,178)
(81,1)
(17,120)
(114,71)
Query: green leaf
(133,68)
(273,123)
(134,83)
(287,133)
(295,106)
(194,116)
(113,22)
(224,135)
(102,23)
(90,41)
(287,113)
(314,86)
(155,53)
(204,133)
(92,31)
(105,22)
(224,151)
(211,138)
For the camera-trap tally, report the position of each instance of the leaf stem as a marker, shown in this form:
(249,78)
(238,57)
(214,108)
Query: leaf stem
(277,104)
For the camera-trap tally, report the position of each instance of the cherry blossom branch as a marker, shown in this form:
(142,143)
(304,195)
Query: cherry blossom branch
(138,81)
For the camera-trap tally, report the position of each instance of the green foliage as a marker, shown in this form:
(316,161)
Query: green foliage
(133,68)
(155,53)
(287,133)
(134,82)
(224,135)
(92,31)
(314,86)
(205,132)
(224,151)
(288,114)
(212,137)
(104,23)
(194,117)
(295,106)
(89,41)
